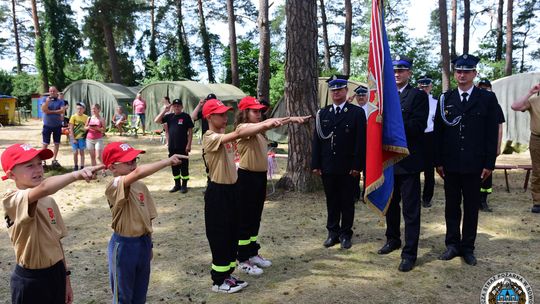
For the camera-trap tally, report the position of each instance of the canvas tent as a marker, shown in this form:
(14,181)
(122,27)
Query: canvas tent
(108,95)
(323,95)
(508,89)
(189,92)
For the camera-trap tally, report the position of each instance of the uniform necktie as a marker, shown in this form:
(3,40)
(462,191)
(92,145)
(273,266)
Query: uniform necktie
(338,110)
(464,95)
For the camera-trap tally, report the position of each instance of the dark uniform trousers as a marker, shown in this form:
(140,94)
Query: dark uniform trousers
(339,191)
(406,189)
(456,185)
(220,217)
(47,285)
(180,171)
(251,187)
(429,168)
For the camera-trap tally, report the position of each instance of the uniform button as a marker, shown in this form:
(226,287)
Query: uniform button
(462,137)
(334,153)
(461,150)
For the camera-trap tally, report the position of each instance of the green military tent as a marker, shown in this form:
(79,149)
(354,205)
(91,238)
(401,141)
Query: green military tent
(108,95)
(280,109)
(189,92)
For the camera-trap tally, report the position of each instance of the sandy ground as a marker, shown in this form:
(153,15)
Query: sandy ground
(293,229)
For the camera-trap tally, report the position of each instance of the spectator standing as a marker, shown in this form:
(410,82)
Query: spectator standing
(139,109)
(77,135)
(53,116)
(95,127)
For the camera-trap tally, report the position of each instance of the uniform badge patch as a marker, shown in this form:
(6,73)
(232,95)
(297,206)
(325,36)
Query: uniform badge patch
(51,216)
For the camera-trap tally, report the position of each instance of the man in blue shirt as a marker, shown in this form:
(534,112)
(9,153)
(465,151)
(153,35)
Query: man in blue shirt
(53,115)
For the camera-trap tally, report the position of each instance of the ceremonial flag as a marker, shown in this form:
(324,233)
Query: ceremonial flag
(386,143)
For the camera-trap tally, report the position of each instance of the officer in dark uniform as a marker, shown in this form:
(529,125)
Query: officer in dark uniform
(338,157)
(465,150)
(414,108)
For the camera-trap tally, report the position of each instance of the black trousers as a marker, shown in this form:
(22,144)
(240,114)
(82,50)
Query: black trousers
(251,188)
(339,191)
(456,186)
(429,169)
(220,216)
(180,171)
(47,286)
(407,191)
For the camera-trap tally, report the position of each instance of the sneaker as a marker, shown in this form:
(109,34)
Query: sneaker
(260,261)
(535,208)
(238,282)
(250,268)
(228,286)
(75,168)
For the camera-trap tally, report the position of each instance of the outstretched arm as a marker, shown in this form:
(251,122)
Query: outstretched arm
(149,169)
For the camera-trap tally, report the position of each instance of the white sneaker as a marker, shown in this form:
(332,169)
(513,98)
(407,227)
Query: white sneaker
(250,268)
(239,282)
(228,286)
(260,261)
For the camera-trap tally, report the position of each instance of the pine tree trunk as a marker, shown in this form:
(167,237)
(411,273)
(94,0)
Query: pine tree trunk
(263,83)
(499,43)
(111,51)
(232,43)
(454,29)
(206,44)
(16,36)
(443,25)
(152,55)
(347,42)
(509,38)
(466,25)
(301,76)
(324,24)
(41,59)
(56,56)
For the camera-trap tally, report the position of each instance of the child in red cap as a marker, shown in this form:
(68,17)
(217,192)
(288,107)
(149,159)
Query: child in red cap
(221,209)
(35,226)
(133,209)
(251,184)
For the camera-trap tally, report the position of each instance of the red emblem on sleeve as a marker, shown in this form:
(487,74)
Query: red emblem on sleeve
(141,199)
(51,215)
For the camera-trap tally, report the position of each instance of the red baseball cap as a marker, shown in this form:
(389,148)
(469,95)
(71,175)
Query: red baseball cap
(214,106)
(21,153)
(119,152)
(250,102)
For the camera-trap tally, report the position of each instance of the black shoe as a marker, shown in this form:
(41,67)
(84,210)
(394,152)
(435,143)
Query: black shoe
(183,189)
(426,204)
(175,188)
(75,168)
(330,241)
(535,209)
(406,265)
(389,247)
(449,254)
(484,207)
(346,242)
(470,259)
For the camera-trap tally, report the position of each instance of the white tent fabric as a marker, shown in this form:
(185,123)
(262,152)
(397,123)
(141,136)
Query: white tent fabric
(508,89)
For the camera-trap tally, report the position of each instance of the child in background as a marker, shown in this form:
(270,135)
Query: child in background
(35,226)
(221,209)
(133,209)
(77,135)
(119,119)
(251,184)
(95,127)
(180,128)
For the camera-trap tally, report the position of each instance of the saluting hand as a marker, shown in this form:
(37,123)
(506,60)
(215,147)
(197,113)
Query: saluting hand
(300,119)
